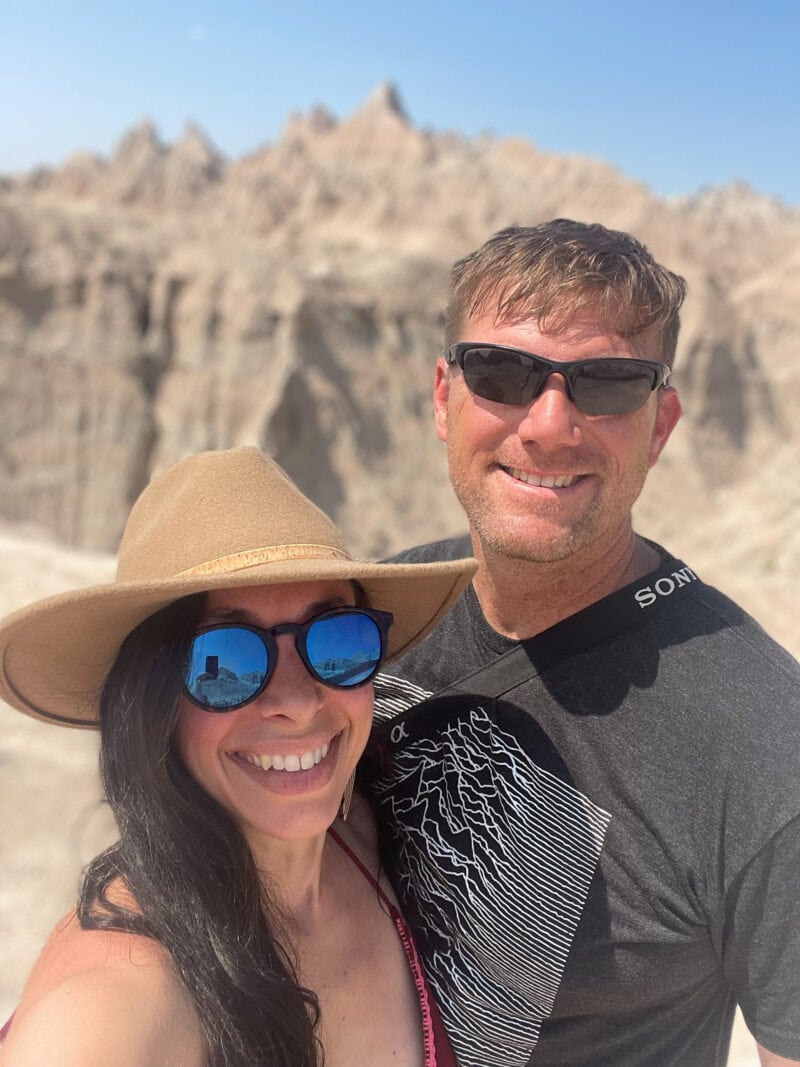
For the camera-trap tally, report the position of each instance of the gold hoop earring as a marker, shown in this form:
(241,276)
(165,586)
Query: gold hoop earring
(348,796)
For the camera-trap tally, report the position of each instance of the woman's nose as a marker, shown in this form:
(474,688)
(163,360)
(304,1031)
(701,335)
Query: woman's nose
(291,690)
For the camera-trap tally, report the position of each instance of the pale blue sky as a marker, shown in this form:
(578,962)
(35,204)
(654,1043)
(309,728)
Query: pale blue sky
(680,94)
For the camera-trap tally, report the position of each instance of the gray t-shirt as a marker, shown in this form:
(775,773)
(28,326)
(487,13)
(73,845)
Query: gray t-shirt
(600,863)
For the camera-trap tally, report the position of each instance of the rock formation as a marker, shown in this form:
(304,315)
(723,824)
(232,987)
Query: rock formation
(167,300)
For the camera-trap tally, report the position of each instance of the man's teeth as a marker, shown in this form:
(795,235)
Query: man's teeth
(302,762)
(557,481)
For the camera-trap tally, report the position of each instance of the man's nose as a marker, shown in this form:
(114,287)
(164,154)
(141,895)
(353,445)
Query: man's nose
(551,420)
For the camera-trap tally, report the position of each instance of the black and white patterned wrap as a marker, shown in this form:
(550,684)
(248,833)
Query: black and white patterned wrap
(474,820)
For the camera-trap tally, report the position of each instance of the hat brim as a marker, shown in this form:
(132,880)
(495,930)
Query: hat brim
(55,654)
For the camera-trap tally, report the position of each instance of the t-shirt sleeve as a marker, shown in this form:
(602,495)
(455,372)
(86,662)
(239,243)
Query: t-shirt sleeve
(761,942)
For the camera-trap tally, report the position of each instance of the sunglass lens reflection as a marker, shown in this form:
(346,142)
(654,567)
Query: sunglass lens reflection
(616,387)
(504,378)
(344,650)
(226,667)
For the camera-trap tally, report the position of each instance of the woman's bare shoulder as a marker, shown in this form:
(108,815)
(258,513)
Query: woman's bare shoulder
(72,951)
(100,997)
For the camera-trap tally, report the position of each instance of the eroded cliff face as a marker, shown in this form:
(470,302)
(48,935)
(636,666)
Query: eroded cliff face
(117,360)
(166,300)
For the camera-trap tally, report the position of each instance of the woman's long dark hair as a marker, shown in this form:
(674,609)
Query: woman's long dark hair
(188,866)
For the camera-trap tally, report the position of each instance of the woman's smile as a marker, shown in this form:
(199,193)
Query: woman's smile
(291,774)
(303,762)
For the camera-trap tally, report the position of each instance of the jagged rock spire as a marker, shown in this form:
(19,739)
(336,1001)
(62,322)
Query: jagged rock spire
(385,100)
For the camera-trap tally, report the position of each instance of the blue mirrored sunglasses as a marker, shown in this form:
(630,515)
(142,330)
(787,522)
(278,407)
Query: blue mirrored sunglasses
(230,664)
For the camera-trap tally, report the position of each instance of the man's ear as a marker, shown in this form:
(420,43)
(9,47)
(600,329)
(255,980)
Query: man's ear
(667,416)
(441,388)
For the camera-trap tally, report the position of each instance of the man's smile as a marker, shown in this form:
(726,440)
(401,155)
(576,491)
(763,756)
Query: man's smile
(545,481)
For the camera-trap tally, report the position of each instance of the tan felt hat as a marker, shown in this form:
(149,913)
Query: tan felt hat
(214,520)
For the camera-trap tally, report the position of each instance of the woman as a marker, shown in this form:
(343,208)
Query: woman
(228,667)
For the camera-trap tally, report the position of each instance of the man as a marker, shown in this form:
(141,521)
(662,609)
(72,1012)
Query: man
(596,820)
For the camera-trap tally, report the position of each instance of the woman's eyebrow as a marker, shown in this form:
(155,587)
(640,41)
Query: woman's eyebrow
(242,615)
(229,615)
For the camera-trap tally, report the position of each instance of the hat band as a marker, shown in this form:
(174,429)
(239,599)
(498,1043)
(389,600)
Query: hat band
(254,557)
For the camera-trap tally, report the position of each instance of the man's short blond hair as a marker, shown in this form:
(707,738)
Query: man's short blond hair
(559,270)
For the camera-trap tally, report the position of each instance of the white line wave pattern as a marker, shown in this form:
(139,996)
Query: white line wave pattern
(394,695)
(497,856)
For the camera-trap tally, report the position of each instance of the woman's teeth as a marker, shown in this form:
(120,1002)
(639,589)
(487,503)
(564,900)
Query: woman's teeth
(302,762)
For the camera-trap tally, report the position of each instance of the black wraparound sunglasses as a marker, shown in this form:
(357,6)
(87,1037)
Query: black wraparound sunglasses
(229,664)
(607,386)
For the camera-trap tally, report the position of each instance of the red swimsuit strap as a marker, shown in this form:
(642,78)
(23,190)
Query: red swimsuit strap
(6,1027)
(364,870)
(431,1022)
